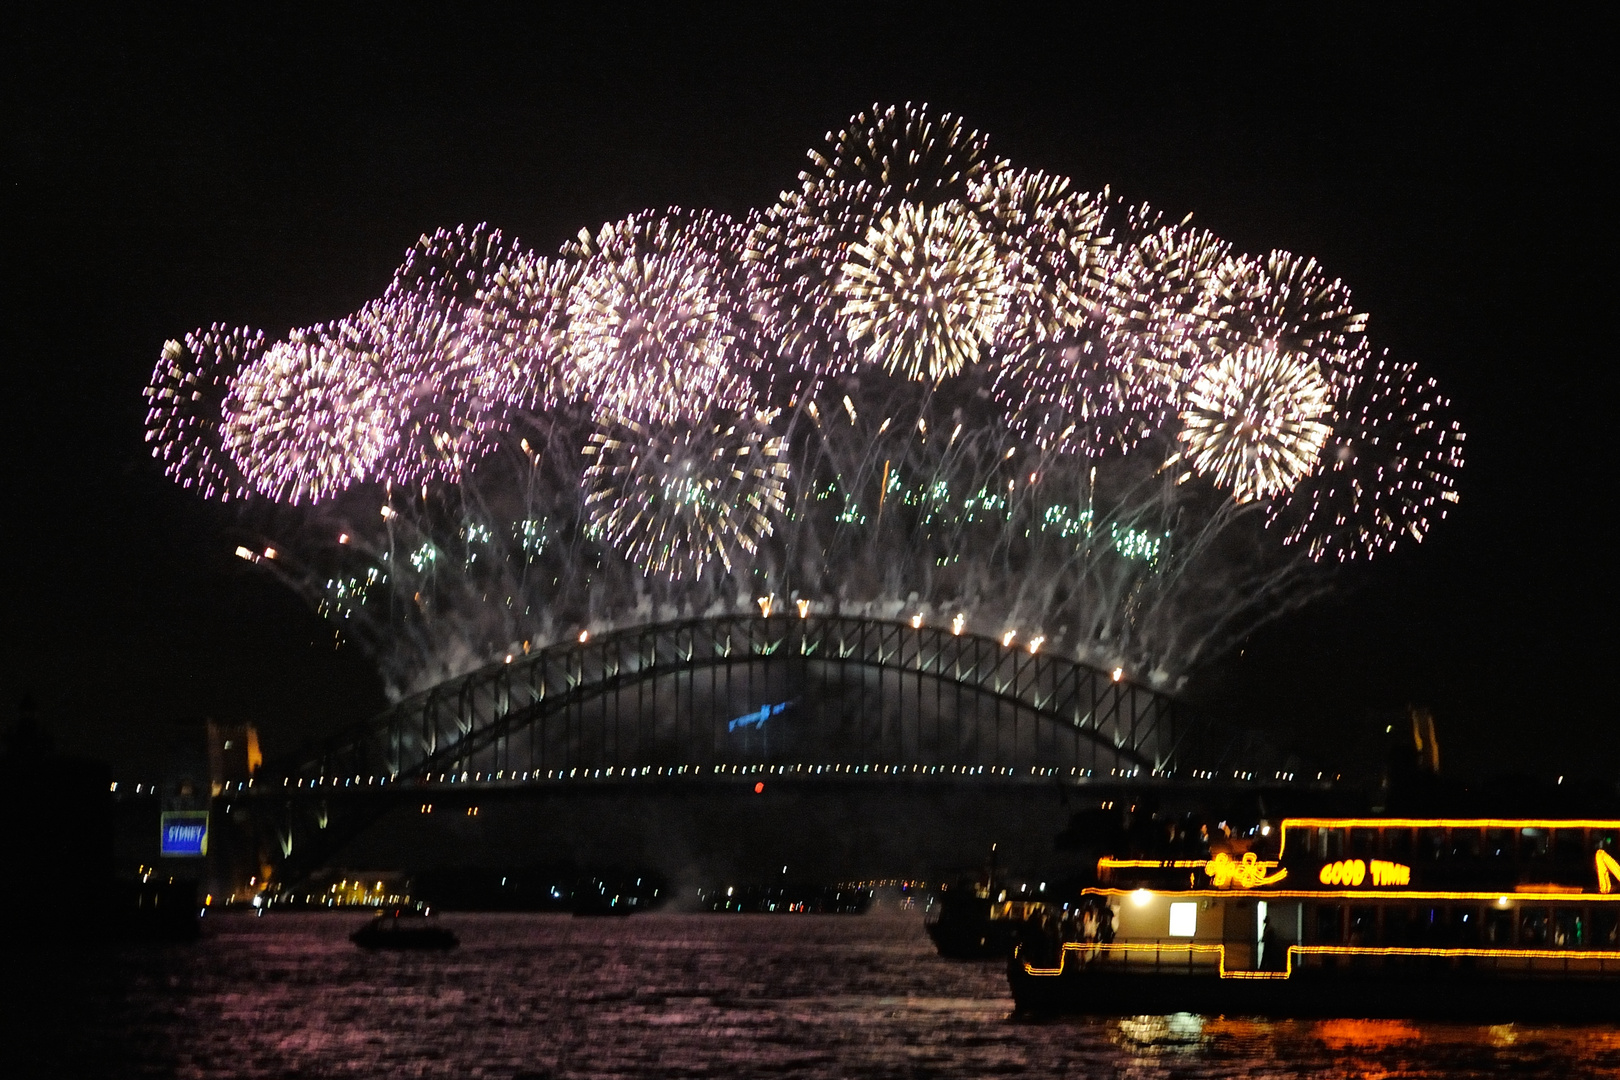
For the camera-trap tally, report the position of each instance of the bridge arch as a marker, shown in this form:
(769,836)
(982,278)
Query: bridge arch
(718,695)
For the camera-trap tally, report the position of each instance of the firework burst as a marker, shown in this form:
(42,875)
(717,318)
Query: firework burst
(310,417)
(1388,472)
(520,326)
(653,317)
(1286,302)
(1094,366)
(447,386)
(1055,245)
(800,247)
(679,497)
(923,292)
(1165,304)
(186,392)
(1253,422)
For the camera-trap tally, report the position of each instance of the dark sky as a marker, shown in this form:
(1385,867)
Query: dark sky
(172,167)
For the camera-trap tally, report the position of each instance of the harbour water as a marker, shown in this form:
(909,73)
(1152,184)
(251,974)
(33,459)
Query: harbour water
(670,995)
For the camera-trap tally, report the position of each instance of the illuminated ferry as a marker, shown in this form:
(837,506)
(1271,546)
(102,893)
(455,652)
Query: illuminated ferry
(1359,917)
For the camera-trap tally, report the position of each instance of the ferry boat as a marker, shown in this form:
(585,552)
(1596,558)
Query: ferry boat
(1469,918)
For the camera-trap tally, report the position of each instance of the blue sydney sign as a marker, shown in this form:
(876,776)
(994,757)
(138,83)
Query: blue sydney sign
(184,833)
(758,717)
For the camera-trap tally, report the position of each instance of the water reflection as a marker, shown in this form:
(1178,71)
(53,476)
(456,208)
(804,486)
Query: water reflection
(1182,1030)
(692,996)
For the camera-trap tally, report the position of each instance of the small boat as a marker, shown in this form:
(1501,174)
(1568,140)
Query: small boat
(403,929)
(972,922)
(975,920)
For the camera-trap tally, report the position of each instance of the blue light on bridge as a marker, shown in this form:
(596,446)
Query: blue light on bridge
(759,716)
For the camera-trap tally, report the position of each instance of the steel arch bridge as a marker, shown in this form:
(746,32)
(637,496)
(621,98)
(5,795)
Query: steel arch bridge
(705,697)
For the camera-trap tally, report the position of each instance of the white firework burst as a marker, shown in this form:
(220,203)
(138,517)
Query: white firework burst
(653,318)
(1253,421)
(923,292)
(677,498)
(1386,475)
(881,160)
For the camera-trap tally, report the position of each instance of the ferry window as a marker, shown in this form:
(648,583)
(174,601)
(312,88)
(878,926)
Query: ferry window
(1499,843)
(1465,843)
(1606,928)
(1533,926)
(1567,930)
(1363,843)
(1431,843)
(1363,925)
(1498,925)
(1398,844)
(1330,924)
(1465,926)
(1333,850)
(1601,841)
(1532,843)
(1404,926)
(1184,919)
(1568,846)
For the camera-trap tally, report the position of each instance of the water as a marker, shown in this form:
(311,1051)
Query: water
(532,996)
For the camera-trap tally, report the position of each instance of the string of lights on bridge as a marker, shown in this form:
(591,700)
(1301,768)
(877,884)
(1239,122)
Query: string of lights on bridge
(653,772)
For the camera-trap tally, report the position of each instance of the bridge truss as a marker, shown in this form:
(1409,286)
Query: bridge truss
(722,695)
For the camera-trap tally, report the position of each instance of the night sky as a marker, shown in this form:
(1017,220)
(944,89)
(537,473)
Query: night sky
(169,168)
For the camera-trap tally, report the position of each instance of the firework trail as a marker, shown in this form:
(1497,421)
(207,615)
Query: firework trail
(923,384)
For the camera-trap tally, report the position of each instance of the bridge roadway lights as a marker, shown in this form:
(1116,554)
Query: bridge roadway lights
(853,824)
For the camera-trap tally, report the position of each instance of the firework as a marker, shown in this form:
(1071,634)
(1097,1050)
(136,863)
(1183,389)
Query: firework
(923,292)
(1388,471)
(1055,244)
(1165,302)
(1253,421)
(906,389)
(519,323)
(310,417)
(186,391)
(1096,363)
(677,498)
(1285,301)
(447,388)
(654,317)
(801,246)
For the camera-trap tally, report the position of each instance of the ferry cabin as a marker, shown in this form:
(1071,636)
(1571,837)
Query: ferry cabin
(1519,898)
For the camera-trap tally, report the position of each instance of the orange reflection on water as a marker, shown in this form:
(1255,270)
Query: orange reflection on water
(1365,1034)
